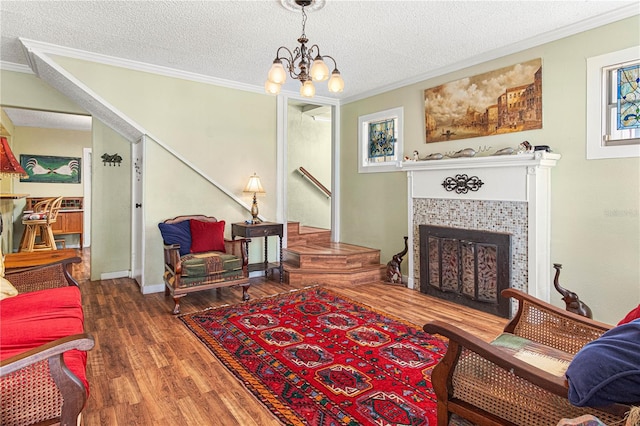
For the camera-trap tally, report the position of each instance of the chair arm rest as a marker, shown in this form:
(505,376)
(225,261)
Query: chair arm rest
(43,277)
(547,324)
(459,339)
(42,370)
(82,342)
(172,257)
(238,247)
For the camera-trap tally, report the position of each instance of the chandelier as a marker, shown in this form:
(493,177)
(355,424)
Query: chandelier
(304,64)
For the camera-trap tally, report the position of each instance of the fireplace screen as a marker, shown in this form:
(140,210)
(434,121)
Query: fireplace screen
(466,266)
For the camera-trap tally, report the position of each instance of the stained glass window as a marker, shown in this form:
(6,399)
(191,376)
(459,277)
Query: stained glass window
(628,98)
(382,138)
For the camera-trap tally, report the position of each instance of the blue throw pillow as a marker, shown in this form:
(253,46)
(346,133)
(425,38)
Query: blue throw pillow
(607,370)
(177,233)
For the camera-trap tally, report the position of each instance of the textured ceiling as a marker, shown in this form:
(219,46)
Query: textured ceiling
(48,120)
(376,43)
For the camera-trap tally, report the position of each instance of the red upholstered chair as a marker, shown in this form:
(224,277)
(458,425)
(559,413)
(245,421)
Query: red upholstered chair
(43,348)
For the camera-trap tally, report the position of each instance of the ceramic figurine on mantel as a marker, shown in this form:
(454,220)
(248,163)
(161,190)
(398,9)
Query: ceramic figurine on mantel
(468,152)
(524,147)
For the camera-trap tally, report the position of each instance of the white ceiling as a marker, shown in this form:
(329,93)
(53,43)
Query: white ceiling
(48,120)
(377,44)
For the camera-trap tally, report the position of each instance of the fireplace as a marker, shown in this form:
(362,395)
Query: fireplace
(466,266)
(504,195)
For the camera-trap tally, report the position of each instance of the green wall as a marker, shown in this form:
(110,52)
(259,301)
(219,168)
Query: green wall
(225,133)
(110,205)
(595,203)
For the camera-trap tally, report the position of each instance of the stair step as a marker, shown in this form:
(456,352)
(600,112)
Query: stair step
(334,278)
(298,235)
(311,258)
(330,256)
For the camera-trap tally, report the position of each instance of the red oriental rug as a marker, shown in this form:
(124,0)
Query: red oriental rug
(315,357)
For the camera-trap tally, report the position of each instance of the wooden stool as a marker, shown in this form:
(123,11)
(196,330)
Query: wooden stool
(41,224)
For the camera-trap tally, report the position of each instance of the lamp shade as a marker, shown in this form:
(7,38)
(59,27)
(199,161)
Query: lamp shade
(9,166)
(254,185)
(336,83)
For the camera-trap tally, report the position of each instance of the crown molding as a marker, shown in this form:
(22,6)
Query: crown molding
(550,36)
(12,66)
(68,52)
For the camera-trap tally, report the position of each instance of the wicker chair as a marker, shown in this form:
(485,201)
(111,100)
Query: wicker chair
(36,386)
(489,384)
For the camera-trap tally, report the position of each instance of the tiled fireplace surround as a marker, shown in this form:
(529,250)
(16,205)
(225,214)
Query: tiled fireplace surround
(514,198)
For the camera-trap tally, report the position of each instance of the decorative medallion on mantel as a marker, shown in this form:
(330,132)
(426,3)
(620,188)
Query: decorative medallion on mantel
(462,183)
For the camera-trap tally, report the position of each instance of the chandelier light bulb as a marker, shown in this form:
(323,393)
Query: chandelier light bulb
(319,70)
(277,74)
(307,89)
(336,83)
(271,88)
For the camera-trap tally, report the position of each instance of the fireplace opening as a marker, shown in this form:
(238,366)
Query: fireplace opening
(466,266)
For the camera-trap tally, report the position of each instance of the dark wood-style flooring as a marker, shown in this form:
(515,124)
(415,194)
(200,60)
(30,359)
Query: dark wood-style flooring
(148,369)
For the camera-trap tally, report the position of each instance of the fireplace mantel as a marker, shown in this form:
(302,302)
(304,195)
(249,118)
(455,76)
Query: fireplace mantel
(520,178)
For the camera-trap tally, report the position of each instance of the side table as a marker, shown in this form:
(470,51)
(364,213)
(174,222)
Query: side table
(265,230)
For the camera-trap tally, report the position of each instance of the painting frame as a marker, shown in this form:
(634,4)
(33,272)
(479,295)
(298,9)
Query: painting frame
(496,102)
(377,151)
(51,169)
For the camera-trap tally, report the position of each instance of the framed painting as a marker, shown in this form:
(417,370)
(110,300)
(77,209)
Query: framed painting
(502,101)
(50,169)
(380,141)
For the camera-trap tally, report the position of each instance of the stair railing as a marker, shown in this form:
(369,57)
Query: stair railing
(305,173)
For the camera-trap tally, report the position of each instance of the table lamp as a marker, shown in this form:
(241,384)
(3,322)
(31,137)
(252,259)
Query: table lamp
(254,186)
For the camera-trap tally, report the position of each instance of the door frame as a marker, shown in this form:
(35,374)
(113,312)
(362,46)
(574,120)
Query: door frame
(282,103)
(137,213)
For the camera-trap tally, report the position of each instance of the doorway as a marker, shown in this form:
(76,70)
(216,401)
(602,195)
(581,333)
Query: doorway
(40,132)
(309,172)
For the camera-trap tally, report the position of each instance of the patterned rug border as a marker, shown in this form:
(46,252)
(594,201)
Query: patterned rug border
(253,386)
(311,287)
(249,302)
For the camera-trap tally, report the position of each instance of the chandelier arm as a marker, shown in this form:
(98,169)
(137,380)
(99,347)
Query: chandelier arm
(278,57)
(335,65)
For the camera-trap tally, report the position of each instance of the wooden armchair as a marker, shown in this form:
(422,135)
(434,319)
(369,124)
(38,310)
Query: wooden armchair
(492,384)
(39,386)
(187,272)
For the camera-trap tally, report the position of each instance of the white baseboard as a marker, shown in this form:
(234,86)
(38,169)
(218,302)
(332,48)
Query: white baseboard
(155,288)
(113,275)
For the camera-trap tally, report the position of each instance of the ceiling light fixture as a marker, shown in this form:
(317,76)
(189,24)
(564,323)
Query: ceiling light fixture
(304,64)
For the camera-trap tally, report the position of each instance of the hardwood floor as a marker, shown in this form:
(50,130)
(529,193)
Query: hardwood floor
(148,369)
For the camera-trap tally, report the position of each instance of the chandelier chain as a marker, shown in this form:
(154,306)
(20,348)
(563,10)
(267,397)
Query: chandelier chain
(304,22)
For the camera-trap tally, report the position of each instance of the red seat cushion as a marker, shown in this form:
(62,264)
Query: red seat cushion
(33,319)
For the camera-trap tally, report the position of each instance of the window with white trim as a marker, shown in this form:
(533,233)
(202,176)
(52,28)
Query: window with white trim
(613,105)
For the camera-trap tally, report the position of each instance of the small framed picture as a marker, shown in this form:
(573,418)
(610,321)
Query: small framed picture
(380,141)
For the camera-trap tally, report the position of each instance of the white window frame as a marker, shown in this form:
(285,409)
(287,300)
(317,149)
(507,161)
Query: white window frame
(598,109)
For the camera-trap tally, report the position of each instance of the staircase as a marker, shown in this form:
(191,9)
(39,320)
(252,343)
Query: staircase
(311,258)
